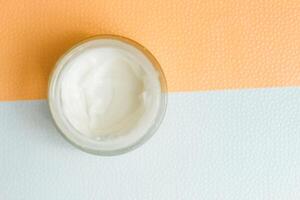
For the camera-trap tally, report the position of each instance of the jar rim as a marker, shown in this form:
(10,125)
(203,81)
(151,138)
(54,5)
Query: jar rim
(163,101)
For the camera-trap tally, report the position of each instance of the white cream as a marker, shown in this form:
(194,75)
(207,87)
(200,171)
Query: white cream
(109,89)
(103,92)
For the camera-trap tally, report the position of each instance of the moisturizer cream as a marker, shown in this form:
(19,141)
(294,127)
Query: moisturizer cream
(107,95)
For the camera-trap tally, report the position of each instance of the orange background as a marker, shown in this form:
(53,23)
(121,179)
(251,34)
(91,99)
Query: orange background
(201,45)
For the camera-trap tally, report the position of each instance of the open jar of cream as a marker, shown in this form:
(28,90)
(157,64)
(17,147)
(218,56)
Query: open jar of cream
(107,95)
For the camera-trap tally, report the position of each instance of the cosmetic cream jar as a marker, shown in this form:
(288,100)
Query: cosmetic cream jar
(107,95)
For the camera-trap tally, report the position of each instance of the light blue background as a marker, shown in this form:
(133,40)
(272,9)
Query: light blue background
(232,145)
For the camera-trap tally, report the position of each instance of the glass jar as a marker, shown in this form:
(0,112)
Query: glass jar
(110,144)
